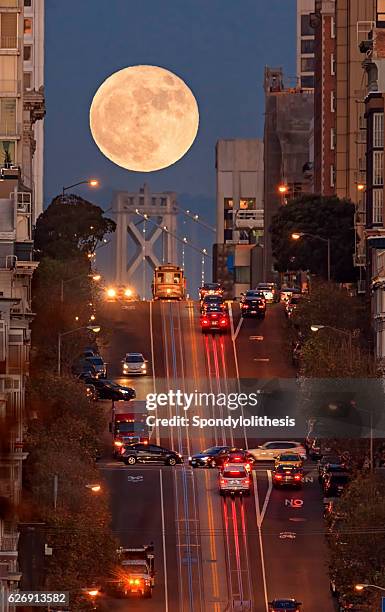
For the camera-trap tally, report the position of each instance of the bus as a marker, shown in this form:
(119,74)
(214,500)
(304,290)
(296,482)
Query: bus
(169,283)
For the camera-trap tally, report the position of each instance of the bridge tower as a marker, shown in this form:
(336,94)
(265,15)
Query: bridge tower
(135,247)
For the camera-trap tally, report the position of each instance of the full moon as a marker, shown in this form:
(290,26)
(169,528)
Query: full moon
(144,118)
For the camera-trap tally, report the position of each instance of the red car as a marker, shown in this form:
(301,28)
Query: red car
(215,320)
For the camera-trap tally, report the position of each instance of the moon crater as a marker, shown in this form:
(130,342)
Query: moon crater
(144,118)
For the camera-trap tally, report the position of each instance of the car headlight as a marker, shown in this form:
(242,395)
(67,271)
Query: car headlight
(124,391)
(205,458)
(179,455)
(190,458)
(125,366)
(143,366)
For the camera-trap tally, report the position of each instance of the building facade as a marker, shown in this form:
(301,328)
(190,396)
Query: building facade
(372,48)
(305,45)
(33,80)
(323,22)
(239,232)
(287,133)
(19,111)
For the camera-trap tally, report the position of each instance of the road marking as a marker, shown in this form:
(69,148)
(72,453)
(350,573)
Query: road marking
(287,535)
(261,359)
(233,341)
(294,503)
(235,334)
(259,338)
(153,374)
(263,512)
(259,525)
(163,541)
(297,520)
(135,478)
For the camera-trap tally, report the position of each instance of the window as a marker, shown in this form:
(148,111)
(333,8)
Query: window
(332,102)
(332,64)
(228,203)
(8,116)
(28,26)
(381,13)
(8,31)
(247,203)
(333,27)
(141,201)
(27,2)
(378,167)
(27,53)
(306,29)
(378,130)
(242,274)
(307,47)
(378,205)
(332,176)
(7,153)
(332,138)
(163,201)
(27,81)
(307,82)
(307,64)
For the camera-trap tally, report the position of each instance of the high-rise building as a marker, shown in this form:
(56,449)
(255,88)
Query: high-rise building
(19,110)
(305,45)
(33,79)
(288,131)
(239,237)
(323,21)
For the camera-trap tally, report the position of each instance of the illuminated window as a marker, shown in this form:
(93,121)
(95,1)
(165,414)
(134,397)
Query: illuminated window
(378,130)
(247,203)
(7,152)
(378,205)
(27,53)
(28,26)
(228,202)
(378,167)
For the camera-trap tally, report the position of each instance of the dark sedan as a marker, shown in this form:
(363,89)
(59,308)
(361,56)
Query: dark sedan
(334,483)
(212,457)
(253,304)
(149,453)
(109,390)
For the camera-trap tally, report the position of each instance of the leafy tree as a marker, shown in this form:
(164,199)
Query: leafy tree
(326,217)
(70,228)
(357,541)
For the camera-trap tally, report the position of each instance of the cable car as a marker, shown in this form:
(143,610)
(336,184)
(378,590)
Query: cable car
(169,283)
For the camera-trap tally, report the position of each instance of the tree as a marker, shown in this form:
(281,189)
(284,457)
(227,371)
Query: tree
(70,228)
(357,540)
(320,216)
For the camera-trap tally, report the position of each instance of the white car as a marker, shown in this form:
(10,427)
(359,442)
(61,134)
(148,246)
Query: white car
(234,478)
(134,363)
(270,450)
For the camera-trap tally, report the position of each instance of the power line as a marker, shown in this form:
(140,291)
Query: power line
(196,218)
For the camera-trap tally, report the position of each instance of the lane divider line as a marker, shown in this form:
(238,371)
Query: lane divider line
(157,435)
(269,490)
(259,525)
(164,541)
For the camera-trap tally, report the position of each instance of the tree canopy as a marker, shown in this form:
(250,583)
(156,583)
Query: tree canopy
(327,217)
(71,226)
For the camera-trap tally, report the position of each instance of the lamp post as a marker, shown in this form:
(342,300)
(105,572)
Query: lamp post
(298,235)
(92,182)
(93,328)
(95,488)
(361,587)
(95,277)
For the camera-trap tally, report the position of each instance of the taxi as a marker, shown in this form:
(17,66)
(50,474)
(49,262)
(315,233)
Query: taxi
(293,459)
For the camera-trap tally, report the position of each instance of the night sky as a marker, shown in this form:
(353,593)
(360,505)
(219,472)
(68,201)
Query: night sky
(219,47)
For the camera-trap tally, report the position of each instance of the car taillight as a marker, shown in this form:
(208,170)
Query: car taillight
(245,305)
(205,322)
(278,476)
(297,477)
(122,450)
(223,322)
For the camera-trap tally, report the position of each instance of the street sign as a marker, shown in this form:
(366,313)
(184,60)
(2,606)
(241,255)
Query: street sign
(294,503)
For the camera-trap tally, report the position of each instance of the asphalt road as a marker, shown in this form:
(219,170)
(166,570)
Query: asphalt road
(211,553)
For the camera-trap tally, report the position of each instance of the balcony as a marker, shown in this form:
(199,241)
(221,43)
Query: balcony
(248,219)
(8,544)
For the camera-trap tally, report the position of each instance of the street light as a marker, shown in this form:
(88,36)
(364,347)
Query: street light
(282,189)
(361,587)
(360,187)
(93,328)
(299,235)
(95,488)
(92,182)
(95,277)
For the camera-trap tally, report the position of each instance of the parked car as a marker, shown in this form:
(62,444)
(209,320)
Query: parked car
(99,365)
(109,390)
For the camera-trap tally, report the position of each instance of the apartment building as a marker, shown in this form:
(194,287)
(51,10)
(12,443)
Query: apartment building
(287,134)
(305,45)
(239,235)
(323,22)
(372,49)
(19,111)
